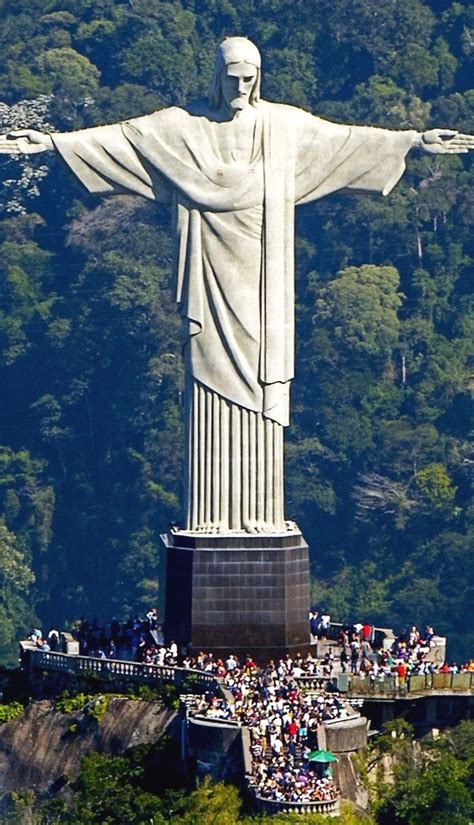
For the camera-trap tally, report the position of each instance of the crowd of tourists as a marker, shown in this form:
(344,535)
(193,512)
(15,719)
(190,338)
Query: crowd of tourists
(355,650)
(282,721)
(50,641)
(137,639)
(281,782)
(141,639)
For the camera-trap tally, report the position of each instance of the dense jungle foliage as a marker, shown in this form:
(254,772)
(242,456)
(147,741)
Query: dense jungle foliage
(378,457)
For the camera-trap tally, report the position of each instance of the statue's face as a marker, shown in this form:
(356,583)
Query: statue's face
(238,81)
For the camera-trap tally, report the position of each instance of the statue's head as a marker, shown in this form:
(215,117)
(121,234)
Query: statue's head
(236,79)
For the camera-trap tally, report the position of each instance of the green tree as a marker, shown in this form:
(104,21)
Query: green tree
(108,793)
(72,78)
(436,487)
(437,795)
(16,578)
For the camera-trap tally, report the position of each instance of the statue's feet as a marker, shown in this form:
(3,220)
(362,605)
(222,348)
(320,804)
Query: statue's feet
(211,528)
(250,526)
(267,528)
(258,526)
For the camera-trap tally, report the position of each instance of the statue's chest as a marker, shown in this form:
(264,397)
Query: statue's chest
(236,143)
(239,150)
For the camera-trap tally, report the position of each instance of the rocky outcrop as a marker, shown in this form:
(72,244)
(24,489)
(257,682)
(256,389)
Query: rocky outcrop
(43,748)
(348,778)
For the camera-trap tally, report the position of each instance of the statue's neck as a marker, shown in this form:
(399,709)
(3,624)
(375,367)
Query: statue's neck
(237,116)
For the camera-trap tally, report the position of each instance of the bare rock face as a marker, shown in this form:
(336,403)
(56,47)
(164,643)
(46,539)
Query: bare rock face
(44,747)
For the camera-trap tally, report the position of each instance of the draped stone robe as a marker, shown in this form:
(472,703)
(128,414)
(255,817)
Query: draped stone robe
(233,224)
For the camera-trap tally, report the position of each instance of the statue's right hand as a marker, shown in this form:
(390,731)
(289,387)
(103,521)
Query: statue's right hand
(25,142)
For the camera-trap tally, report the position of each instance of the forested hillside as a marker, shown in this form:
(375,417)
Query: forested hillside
(379,460)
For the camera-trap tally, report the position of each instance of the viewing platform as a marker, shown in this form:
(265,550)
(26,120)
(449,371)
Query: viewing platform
(222,744)
(355,687)
(71,664)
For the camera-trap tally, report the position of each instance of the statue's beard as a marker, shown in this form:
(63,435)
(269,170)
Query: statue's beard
(239,102)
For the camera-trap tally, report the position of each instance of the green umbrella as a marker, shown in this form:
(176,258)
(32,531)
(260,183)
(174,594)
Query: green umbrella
(322,756)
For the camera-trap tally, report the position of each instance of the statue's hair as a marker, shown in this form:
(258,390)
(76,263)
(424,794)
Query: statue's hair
(249,55)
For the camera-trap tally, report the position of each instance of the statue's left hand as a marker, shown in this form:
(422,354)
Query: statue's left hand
(25,142)
(446,142)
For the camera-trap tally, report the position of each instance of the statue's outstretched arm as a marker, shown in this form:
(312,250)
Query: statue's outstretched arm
(25,142)
(101,157)
(444,142)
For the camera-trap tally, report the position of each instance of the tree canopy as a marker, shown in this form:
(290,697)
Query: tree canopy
(379,461)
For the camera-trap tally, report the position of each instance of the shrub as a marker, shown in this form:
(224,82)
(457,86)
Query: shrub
(11,711)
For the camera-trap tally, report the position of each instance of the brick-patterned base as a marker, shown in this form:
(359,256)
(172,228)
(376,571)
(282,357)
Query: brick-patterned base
(242,594)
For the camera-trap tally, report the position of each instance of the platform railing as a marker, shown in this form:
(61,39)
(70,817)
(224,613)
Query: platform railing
(353,686)
(416,684)
(116,669)
(317,683)
(324,807)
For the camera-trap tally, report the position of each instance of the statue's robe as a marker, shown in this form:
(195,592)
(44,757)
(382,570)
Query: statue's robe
(234,225)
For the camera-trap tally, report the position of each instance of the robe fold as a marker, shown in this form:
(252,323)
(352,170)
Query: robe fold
(234,250)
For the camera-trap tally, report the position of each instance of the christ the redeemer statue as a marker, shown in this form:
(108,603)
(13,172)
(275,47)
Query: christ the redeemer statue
(233,170)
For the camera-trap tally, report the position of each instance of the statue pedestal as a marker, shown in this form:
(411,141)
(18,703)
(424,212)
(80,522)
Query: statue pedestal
(237,593)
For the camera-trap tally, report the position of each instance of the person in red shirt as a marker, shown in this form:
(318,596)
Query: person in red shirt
(292,729)
(366,632)
(402,673)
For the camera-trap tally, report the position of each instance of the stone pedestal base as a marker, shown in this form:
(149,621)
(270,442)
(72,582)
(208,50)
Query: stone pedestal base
(237,593)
